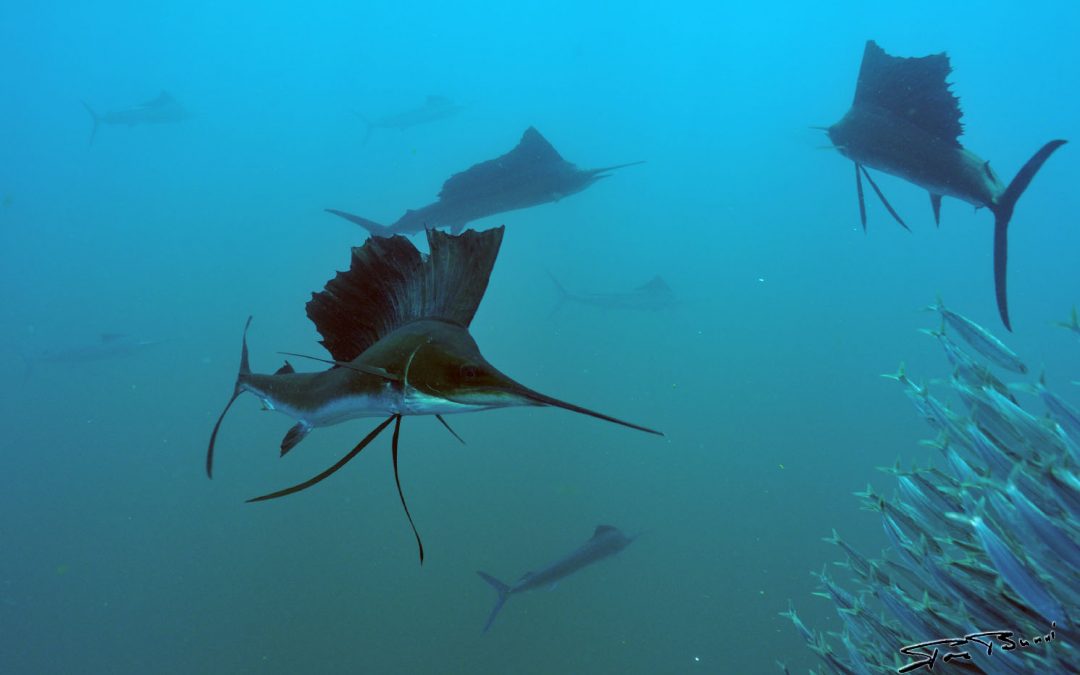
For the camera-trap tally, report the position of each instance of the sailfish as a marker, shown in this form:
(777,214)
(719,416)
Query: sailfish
(163,109)
(396,324)
(531,174)
(905,121)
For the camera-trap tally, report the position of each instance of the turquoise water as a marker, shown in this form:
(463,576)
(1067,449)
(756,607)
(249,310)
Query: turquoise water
(121,557)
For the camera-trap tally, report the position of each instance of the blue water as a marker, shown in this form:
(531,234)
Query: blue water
(121,557)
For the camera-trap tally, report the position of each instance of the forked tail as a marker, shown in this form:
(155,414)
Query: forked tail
(1002,209)
(95,118)
(504,592)
(368,126)
(369,225)
(564,295)
(245,369)
(28,368)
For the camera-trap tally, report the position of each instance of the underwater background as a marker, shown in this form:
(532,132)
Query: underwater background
(121,557)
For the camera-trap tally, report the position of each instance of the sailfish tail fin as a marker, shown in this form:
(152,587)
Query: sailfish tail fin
(368,126)
(28,364)
(503,593)
(564,294)
(1003,210)
(245,369)
(370,225)
(97,121)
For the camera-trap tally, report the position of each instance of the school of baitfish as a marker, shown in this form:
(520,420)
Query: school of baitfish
(989,543)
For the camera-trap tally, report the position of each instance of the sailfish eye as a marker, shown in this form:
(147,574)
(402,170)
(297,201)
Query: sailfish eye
(468,371)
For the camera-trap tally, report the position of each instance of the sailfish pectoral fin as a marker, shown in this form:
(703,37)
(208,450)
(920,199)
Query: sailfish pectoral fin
(881,196)
(448,428)
(360,368)
(862,200)
(397,482)
(935,203)
(326,474)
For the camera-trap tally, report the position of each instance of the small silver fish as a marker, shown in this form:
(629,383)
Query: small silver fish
(981,340)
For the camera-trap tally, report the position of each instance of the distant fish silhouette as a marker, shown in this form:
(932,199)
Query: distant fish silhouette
(397,327)
(1072,324)
(435,108)
(905,121)
(109,346)
(606,541)
(163,109)
(532,173)
(653,295)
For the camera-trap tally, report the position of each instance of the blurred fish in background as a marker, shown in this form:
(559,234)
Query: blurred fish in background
(107,346)
(653,295)
(162,109)
(434,109)
(983,567)
(1073,323)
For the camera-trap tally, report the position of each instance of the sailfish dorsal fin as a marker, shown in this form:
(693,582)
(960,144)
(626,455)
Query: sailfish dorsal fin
(532,154)
(536,147)
(602,530)
(656,284)
(162,99)
(390,283)
(913,88)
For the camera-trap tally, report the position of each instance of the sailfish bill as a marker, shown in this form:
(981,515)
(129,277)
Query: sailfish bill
(528,396)
(396,324)
(905,121)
